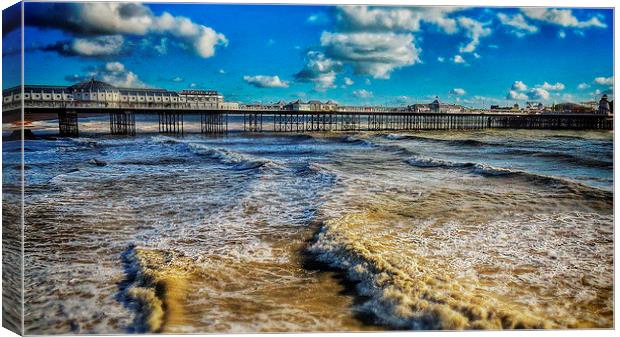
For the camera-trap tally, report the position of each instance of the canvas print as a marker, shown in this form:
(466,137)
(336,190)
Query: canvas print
(243,168)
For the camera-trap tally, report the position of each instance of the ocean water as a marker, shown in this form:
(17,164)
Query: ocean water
(317,232)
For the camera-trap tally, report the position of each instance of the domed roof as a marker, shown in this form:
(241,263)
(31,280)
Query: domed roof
(92,85)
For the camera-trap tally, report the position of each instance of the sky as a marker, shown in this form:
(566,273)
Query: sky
(351,54)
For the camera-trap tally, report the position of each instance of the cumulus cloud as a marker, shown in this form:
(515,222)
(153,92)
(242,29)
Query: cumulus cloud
(583,86)
(114,18)
(319,70)
(519,26)
(604,80)
(515,95)
(115,67)
(263,81)
(376,41)
(441,59)
(348,81)
(519,91)
(561,17)
(538,94)
(374,54)
(457,91)
(519,86)
(362,93)
(100,46)
(364,18)
(552,87)
(458,59)
(114,73)
(561,34)
(474,30)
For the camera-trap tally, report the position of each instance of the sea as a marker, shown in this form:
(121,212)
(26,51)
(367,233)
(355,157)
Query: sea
(331,231)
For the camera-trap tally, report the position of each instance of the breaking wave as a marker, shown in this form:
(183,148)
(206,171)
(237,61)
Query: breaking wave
(466,142)
(155,285)
(237,160)
(564,157)
(492,171)
(405,287)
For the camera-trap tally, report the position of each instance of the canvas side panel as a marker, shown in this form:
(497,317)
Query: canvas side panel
(12,170)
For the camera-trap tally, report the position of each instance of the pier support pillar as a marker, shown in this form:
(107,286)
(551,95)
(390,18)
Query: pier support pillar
(68,123)
(253,122)
(213,123)
(123,123)
(170,122)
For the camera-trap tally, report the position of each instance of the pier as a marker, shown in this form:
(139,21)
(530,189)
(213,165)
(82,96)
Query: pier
(123,121)
(172,108)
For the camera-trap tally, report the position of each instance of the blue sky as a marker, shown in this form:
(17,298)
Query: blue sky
(354,55)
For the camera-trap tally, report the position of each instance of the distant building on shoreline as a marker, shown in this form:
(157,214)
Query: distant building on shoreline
(98,94)
(436,107)
(604,106)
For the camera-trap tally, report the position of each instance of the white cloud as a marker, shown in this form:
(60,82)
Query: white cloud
(221,71)
(520,92)
(115,18)
(177,79)
(604,80)
(317,19)
(362,93)
(515,95)
(113,73)
(561,17)
(374,54)
(474,30)
(583,86)
(98,46)
(538,94)
(114,67)
(458,59)
(116,74)
(367,81)
(519,86)
(319,70)
(457,91)
(348,81)
(441,59)
(561,34)
(376,41)
(162,47)
(363,18)
(520,27)
(552,87)
(263,81)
